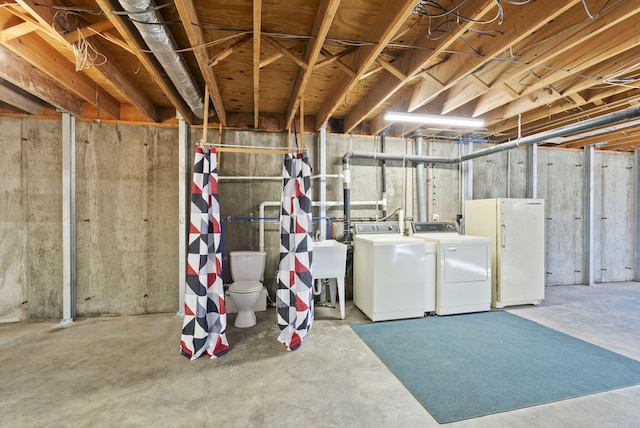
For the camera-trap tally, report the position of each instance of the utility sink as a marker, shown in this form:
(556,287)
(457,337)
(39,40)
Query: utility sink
(329,259)
(329,262)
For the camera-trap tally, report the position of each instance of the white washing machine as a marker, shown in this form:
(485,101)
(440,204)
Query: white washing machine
(463,268)
(388,272)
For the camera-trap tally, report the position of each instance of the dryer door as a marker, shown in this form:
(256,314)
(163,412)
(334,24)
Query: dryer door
(465,262)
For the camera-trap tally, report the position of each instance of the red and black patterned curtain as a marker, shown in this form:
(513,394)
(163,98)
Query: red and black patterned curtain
(205,319)
(294,296)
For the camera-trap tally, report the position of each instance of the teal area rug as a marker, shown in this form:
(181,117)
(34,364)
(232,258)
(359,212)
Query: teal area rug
(465,366)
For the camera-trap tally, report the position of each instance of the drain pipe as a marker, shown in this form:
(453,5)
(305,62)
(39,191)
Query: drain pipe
(149,23)
(383,138)
(421,191)
(346,186)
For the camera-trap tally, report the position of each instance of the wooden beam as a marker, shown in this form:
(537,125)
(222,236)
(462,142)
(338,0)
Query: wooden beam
(39,54)
(23,75)
(220,56)
(509,90)
(392,69)
(331,58)
(392,16)
(339,62)
(371,72)
(257,36)
(479,82)
(109,69)
(286,52)
(544,118)
(321,24)
(189,17)
(622,48)
(427,89)
(17,100)
(414,62)
(90,31)
(273,58)
(555,51)
(17,31)
(148,61)
(457,67)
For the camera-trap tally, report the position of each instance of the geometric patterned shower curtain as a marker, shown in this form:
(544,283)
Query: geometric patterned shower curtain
(294,296)
(205,318)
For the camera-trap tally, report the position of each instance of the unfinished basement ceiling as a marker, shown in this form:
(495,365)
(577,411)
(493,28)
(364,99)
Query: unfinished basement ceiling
(522,66)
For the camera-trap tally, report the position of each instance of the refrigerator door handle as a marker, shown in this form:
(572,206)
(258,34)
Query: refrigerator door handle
(504,235)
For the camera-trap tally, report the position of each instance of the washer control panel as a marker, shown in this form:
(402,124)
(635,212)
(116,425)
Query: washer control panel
(378,227)
(434,227)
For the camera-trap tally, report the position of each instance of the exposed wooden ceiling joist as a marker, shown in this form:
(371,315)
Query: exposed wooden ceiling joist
(139,49)
(388,22)
(190,21)
(106,66)
(257,21)
(321,26)
(525,65)
(22,74)
(18,100)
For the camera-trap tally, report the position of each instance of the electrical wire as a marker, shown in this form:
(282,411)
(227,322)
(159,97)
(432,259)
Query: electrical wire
(86,56)
(93,11)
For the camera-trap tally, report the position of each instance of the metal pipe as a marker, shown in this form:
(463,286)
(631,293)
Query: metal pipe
(383,140)
(421,191)
(323,172)
(265,204)
(149,23)
(346,186)
(508,174)
(606,119)
(398,157)
(532,171)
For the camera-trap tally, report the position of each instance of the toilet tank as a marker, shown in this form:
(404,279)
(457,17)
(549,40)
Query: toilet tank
(247,265)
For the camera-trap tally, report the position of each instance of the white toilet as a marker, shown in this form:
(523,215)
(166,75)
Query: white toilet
(247,268)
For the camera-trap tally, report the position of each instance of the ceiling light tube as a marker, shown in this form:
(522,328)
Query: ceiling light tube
(428,119)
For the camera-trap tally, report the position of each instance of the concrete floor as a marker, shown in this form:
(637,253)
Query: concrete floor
(127,371)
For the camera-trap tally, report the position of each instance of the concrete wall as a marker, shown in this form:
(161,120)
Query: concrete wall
(13,224)
(30,222)
(560,184)
(614,217)
(501,175)
(126,211)
(127,208)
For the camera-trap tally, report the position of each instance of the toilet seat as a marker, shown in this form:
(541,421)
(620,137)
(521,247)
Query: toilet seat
(245,287)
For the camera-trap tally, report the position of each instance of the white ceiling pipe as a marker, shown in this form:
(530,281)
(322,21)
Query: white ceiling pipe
(148,21)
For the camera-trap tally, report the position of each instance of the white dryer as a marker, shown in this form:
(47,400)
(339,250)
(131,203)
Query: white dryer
(463,268)
(388,272)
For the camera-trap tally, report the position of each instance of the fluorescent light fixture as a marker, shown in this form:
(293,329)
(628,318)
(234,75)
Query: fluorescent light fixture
(429,119)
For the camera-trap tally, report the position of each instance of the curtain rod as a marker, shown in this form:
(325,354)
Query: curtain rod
(254,149)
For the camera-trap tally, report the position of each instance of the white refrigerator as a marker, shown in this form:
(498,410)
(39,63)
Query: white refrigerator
(516,230)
